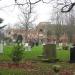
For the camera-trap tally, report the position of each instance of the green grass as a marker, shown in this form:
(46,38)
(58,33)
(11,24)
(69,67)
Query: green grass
(33,54)
(63,55)
(12,72)
(6,53)
(42,68)
(36,51)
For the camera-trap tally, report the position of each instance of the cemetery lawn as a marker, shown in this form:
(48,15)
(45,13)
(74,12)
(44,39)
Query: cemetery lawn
(62,55)
(31,66)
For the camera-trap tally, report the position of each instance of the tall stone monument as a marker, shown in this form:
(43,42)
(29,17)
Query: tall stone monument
(1,36)
(50,51)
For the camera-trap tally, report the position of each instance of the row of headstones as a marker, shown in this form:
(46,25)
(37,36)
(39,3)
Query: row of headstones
(63,46)
(50,52)
(26,46)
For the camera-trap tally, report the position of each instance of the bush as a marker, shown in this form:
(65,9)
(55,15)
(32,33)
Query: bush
(17,53)
(65,47)
(56,68)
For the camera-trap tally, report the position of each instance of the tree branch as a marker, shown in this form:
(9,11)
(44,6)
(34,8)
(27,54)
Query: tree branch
(2,26)
(36,2)
(27,2)
(69,9)
(47,2)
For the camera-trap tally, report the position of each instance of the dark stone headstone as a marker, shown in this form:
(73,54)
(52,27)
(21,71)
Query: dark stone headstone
(72,54)
(50,51)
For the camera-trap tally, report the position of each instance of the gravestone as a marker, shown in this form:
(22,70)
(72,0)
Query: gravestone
(4,43)
(49,51)
(27,47)
(1,47)
(72,54)
(1,36)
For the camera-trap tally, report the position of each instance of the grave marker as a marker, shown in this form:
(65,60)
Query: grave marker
(50,52)
(1,47)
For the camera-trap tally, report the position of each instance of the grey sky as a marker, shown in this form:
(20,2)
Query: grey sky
(9,14)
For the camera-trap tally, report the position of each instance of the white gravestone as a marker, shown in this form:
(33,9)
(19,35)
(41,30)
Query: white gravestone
(27,47)
(4,43)
(1,47)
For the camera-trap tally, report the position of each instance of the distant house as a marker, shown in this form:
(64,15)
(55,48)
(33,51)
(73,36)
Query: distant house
(61,32)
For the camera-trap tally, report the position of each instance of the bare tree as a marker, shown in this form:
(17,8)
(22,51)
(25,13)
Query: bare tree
(30,3)
(26,20)
(67,8)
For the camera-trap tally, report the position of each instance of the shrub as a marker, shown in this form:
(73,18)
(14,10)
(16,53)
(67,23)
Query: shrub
(17,53)
(65,47)
(56,68)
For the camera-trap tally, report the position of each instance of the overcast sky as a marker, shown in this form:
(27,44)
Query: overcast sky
(9,14)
